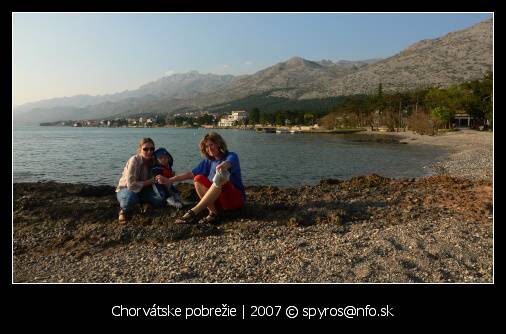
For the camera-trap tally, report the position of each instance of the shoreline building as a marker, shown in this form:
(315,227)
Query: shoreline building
(235,116)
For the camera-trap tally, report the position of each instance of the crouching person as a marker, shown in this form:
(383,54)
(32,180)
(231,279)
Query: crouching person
(164,167)
(135,184)
(217,181)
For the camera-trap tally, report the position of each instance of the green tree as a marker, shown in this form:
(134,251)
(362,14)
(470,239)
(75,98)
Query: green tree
(443,114)
(478,103)
(380,99)
(205,119)
(308,119)
(254,116)
(160,121)
(263,119)
(437,98)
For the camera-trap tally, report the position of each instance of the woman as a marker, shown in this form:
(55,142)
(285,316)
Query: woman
(217,180)
(135,185)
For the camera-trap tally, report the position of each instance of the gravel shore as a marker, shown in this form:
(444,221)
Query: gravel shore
(366,229)
(469,151)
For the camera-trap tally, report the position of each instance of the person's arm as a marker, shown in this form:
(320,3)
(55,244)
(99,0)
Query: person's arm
(181,177)
(132,183)
(147,183)
(231,163)
(226,165)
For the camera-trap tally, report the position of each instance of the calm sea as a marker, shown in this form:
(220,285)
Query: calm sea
(98,155)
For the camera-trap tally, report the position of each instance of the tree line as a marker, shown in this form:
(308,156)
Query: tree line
(423,109)
(281,117)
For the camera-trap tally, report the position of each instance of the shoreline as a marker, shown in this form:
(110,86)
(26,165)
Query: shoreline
(469,153)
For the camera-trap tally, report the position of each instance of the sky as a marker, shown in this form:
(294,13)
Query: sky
(66,54)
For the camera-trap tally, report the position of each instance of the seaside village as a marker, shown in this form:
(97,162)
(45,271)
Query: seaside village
(237,119)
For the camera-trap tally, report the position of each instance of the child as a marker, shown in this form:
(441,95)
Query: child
(164,167)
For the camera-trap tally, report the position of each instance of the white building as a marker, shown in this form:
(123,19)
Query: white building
(235,116)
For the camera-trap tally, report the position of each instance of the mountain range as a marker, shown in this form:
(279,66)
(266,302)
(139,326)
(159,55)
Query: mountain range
(456,57)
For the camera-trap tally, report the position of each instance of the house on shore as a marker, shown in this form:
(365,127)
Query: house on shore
(463,120)
(233,118)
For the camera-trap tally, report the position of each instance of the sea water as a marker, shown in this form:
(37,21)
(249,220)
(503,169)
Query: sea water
(98,155)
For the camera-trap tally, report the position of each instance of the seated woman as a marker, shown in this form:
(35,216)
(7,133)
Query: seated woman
(217,180)
(135,183)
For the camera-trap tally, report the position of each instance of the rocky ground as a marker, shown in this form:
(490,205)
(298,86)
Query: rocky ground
(367,229)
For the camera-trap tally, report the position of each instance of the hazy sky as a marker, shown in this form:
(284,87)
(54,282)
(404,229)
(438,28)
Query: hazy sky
(65,54)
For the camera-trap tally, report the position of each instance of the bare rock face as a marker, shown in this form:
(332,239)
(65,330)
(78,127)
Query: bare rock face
(290,79)
(456,57)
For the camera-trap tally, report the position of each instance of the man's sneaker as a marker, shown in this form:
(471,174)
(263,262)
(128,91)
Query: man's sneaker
(174,203)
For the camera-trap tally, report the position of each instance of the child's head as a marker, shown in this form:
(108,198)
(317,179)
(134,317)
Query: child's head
(163,157)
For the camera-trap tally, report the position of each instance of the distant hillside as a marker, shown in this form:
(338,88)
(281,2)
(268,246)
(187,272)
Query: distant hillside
(289,79)
(176,86)
(456,57)
(267,103)
(185,85)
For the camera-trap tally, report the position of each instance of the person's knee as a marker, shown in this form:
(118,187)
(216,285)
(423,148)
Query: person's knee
(200,179)
(201,185)
(148,195)
(127,199)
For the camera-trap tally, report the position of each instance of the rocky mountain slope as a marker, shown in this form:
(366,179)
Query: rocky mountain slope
(175,86)
(456,57)
(289,79)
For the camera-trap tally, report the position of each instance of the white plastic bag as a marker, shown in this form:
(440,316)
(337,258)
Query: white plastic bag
(220,179)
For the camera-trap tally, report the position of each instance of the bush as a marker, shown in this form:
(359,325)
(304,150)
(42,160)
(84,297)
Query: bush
(421,123)
(443,115)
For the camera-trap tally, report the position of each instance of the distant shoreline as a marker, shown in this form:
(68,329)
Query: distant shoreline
(469,152)
(283,129)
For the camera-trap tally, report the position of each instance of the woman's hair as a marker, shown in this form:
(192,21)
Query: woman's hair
(215,138)
(144,141)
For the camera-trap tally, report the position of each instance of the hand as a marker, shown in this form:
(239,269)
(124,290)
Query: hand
(162,179)
(222,166)
(149,182)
